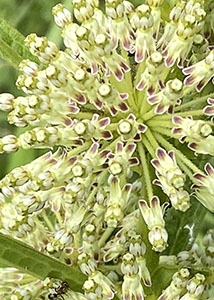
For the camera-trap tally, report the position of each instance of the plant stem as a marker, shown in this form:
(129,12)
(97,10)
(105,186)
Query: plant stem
(145,170)
(151,139)
(165,131)
(142,102)
(48,222)
(148,146)
(59,219)
(112,126)
(105,236)
(195,113)
(159,123)
(79,149)
(193,102)
(84,115)
(95,189)
(186,170)
(150,114)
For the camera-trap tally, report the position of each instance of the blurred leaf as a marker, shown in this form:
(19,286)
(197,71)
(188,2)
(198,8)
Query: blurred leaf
(9,55)
(12,47)
(16,254)
(161,279)
(183,228)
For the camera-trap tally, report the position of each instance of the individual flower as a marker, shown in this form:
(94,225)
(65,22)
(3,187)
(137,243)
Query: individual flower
(195,287)
(152,73)
(116,202)
(130,129)
(121,161)
(168,97)
(200,73)
(171,179)
(153,217)
(204,187)
(131,287)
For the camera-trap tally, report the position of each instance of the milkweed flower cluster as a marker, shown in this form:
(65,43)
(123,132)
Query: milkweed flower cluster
(129,86)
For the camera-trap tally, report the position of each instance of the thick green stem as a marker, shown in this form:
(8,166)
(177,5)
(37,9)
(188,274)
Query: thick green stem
(19,255)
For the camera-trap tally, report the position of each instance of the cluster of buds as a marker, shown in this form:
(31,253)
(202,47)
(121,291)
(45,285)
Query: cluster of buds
(134,268)
(114,104)
(197,133)
(22,286)
(199,256)
(177,285)
(182,284)
(188,25)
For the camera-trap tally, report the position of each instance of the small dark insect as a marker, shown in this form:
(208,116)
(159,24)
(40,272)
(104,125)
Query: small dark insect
(59,291)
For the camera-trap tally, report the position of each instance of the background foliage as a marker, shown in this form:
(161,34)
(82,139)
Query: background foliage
(27,16)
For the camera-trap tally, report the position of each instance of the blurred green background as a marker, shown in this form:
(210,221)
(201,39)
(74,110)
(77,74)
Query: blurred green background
(27,16)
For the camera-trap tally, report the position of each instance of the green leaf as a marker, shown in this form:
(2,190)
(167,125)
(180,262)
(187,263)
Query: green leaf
(183,228)
(19,255)
(9,55)
(12,47)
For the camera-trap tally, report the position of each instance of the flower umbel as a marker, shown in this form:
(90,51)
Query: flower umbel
(118,104)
